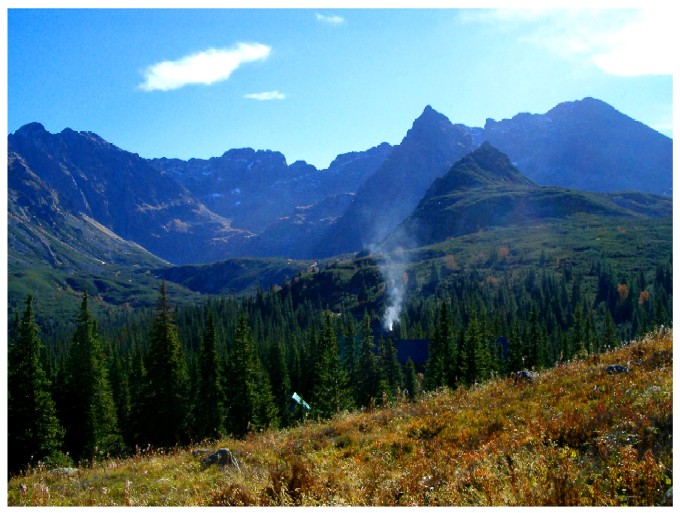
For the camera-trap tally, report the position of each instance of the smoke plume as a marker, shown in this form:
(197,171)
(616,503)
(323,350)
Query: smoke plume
(393,270)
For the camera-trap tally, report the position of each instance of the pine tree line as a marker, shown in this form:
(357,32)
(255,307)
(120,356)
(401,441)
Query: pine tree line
(230,366)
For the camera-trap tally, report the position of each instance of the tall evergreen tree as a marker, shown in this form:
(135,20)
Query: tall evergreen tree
(390,368)
(439,364)
(34,433)
(411,380)
(210,410)
(365,385)
(135,428)
(535,352)
(331,393)
(515,348)
(166,392)
(609,332)
(90,416)
(120,389)
(477,358)
(249,397)
(279,378)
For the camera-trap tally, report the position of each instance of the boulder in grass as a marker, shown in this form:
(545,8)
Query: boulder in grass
(65,471)
(525,376)
(616,369)
(222,458)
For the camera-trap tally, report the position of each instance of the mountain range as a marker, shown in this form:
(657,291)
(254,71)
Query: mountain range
(484,189)
(78,203)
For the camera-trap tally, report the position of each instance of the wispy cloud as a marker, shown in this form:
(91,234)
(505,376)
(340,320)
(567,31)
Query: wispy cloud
(207,67)
(643,46)
(266,96)
(330,20)
(622,42)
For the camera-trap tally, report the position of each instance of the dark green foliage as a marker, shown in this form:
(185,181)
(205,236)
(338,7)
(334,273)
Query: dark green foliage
(366,379)
(439,371)
(120,390)
(411,380)
(279,379)
(209,409)
(486,307)
(135,426)
(34,433)
(331,391)
(250,402)
(165,397)
(89,413)
(391,372)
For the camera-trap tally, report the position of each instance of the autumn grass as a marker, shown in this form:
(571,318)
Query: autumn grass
(576,436)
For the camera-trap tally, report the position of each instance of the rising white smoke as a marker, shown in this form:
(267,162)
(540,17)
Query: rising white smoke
(393,270)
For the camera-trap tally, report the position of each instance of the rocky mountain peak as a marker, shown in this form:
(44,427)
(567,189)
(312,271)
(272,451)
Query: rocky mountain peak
(485,166)
(31,130)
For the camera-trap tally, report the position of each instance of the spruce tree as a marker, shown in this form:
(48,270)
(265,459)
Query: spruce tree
(120,388)
(411,380)
(34,433)
(166,391)
(135,427)
(249,397)
(90,416)
(390,368)
(365,386)
(210,410)
(440,362)
(475,356)
(331,393)
(279,377)
(515,348)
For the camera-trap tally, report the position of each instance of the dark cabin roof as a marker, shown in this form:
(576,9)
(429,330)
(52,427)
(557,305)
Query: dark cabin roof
(415,348)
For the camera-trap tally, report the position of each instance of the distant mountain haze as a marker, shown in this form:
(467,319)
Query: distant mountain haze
(442,179)
(484,189)
(586,145)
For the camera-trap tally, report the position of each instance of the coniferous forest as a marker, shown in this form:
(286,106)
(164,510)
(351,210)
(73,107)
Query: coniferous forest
(172,376)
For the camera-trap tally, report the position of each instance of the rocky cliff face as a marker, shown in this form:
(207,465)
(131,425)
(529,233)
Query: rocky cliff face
(85,175)
(254,189)
(390,194)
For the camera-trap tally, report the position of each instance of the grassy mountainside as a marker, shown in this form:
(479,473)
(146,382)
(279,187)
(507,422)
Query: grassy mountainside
(234,276)
(484,189)
(578,435)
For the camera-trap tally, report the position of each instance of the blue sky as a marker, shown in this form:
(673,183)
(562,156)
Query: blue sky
(316,82)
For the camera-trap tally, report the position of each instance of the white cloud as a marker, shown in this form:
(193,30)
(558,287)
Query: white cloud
(641,47)
(622,42)
(265,96)
(207,67)
(330,20)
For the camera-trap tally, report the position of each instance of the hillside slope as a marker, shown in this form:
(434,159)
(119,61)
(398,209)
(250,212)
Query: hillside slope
(485,189)
(577,435)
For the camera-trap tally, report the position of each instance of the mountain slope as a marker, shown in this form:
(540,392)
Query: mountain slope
(297,234)
(89,176)
(484,189)
(390,194)
(233,276)
(586,145)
